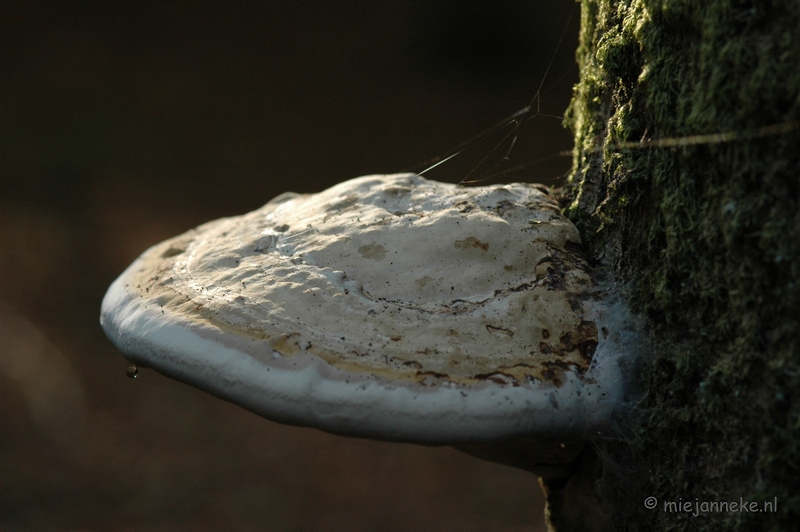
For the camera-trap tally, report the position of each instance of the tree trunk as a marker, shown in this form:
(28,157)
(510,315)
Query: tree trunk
(704,232)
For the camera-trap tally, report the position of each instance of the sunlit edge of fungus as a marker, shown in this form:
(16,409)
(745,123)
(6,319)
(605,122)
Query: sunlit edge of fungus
(304,390)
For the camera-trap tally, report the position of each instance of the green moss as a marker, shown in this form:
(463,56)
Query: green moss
(708,236)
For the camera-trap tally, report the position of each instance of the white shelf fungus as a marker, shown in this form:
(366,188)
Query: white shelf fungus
(388,307)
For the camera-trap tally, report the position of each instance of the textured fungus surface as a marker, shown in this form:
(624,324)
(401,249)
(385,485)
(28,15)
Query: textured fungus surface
(421,310)
(400,277)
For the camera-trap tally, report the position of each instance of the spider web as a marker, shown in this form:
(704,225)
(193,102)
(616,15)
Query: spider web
(496,145)
(491,152)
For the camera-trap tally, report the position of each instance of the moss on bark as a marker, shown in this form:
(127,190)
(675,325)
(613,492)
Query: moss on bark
(707,236)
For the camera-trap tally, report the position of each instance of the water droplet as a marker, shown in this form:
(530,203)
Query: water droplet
(131,371)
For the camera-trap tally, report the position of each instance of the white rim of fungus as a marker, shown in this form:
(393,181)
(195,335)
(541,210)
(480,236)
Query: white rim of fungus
(304,389)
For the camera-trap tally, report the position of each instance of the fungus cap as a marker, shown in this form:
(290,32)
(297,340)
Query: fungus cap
(389,307)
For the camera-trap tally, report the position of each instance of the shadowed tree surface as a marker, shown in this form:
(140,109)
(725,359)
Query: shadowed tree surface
(705,231)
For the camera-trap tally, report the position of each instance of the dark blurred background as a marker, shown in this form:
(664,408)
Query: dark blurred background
(126,124)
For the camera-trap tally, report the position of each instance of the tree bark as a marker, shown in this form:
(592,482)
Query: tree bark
(704,233)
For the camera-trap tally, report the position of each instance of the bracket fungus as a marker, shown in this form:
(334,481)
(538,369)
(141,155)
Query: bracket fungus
(388,307)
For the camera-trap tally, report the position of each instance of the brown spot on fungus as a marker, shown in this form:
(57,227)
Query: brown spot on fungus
(470,243)
(373,252)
